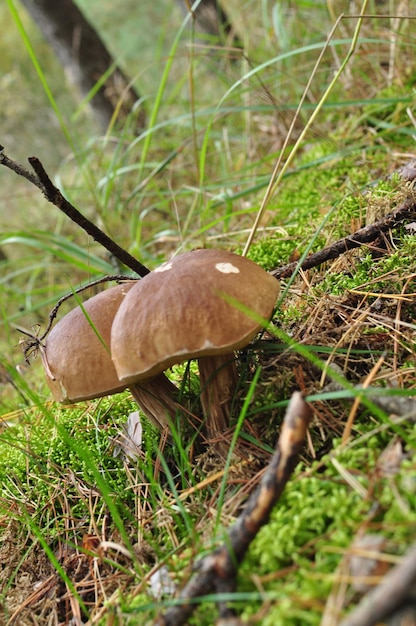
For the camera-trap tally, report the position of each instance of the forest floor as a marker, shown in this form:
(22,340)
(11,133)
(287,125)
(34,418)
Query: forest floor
(91,535)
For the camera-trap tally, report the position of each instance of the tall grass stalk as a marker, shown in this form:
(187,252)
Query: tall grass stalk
(161,89)
(276,178)
(42,78)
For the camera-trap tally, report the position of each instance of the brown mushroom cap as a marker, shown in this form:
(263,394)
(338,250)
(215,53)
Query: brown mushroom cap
(180,311)
(77,353)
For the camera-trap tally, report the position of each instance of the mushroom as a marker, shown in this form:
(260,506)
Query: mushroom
(203,304)
(78,365)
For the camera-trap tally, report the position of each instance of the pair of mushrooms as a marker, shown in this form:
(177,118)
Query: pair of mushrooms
(203,304)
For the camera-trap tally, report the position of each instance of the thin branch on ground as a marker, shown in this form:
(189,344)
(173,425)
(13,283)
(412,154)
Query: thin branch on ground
(54,196)
(404,212)
(398,405)
(395,591)
(217,572)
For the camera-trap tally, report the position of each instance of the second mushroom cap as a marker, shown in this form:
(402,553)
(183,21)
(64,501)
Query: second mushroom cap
(77,350)
(200,303)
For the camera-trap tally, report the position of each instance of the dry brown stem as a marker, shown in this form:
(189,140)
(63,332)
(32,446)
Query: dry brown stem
(395,590)
(406,211)
(54,196)
(397,405)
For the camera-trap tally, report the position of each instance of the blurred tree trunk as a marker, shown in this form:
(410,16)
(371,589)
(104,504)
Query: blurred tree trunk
(84,57)
(212,19)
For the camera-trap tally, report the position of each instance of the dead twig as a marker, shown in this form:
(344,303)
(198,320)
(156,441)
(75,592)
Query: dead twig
(217,572)
(395,591)
(54,196)
(394,404)
(117,277)
(404,212)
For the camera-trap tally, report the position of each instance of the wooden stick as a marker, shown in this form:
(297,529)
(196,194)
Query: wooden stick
(217,572)
(405,211)
(395,590)
(54,196)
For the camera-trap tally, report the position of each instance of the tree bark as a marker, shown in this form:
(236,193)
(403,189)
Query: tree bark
(84,57)
(212,19)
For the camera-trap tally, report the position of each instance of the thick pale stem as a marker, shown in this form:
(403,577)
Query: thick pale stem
(218,377)
(156,398)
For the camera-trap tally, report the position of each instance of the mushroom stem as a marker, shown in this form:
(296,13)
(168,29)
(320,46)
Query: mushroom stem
(218,378)
(155,397)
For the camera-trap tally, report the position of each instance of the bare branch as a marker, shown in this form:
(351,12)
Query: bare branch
(34,343)
(405,211)
(19,169)
(395,590)
(54,196)
(397,405)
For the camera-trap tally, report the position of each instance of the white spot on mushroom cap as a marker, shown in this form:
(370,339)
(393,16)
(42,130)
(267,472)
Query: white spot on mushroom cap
(227,268)
(163,268)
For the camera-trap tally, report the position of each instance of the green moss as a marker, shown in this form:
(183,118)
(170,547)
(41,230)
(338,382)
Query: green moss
(328,191)
(365,271)
(388,114)
(318,511)
(298,520)
(271,252)
(68,442)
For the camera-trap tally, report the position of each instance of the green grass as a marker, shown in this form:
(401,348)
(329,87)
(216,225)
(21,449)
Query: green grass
(197,176)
